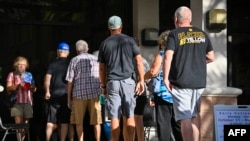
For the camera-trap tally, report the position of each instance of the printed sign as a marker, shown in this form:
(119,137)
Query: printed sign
(231,115)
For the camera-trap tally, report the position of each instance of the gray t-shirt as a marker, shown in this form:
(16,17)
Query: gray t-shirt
(117,52)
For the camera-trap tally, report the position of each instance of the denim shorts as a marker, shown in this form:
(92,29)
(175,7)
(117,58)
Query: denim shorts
(120,98)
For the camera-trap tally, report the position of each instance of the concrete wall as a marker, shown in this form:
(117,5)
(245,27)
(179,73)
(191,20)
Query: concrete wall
(146,15)
(217,71)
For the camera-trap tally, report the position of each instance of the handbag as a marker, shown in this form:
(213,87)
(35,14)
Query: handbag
(155,84)
(8,100)
(11,99)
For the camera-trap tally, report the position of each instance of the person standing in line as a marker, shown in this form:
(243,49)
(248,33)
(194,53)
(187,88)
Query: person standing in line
(21,83)
(116,55)
(188,50)
(140,103)
(58,114)
(167,128)
(84,90)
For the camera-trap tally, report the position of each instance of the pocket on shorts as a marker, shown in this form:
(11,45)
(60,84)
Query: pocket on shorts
(112,85)
(129,81)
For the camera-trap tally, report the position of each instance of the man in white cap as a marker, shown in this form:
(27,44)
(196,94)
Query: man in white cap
(116,56)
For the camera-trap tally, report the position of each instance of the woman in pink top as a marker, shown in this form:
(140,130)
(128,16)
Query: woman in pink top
(21,83)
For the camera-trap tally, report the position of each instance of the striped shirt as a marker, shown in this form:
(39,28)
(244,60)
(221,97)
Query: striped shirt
(83,72)
(23,95)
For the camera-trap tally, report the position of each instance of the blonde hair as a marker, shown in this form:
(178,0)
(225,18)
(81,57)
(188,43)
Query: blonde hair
(162,39)
(18,59)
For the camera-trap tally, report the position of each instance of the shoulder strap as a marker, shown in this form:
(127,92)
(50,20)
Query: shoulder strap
(161,52)
(162,57)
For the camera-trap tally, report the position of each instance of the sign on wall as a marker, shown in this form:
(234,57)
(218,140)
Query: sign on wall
(236,119)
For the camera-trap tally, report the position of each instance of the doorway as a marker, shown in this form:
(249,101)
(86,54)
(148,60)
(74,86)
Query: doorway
(238,48)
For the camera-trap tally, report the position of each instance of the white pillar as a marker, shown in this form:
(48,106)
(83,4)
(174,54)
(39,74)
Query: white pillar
(145,15)
(217,71)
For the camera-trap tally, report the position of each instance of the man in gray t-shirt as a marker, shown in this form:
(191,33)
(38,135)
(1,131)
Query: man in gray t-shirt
(116,55)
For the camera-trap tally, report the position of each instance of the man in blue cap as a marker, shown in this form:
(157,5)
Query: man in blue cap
(58,114)
(116,56)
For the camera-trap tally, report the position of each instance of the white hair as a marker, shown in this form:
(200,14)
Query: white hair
(183,13)
(82,46)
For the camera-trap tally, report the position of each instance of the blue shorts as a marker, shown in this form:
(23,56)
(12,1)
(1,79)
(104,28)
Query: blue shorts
(186,102)
(120,98)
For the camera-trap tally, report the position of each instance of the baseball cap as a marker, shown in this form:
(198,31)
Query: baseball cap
(114,22)
(63,46)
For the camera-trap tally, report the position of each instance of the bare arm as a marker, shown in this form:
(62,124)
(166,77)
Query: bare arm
(102,75)
(210,56)
(155,67)
(47,86)
(11,87)
(69,92)
(168,56)
(140,82)
(33,88)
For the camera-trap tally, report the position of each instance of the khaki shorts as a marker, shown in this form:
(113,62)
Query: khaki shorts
(24,110)
(79,108)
